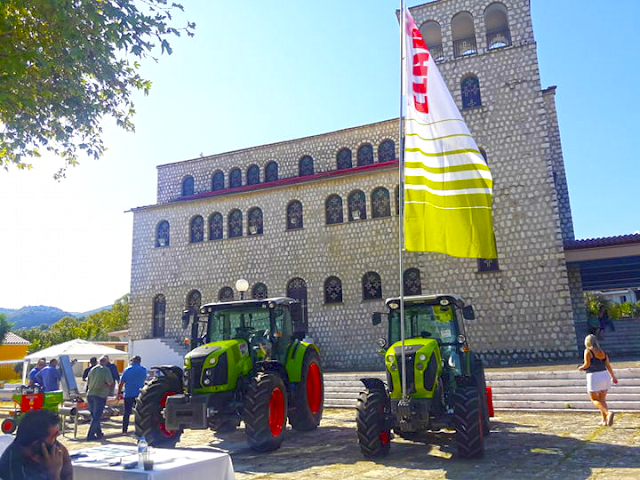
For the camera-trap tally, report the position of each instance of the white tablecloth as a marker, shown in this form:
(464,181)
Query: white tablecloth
(168,464)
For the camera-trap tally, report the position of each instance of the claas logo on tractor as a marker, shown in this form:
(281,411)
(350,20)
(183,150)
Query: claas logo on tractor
(433,379)
(248,362)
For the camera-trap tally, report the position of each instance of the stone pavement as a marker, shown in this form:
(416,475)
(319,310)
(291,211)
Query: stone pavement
(567,446)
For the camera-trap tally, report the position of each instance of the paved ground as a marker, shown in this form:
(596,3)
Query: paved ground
(567,446)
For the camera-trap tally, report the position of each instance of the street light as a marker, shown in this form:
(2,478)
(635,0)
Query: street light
(242,286)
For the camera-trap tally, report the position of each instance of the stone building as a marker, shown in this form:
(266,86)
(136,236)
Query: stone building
(316,218)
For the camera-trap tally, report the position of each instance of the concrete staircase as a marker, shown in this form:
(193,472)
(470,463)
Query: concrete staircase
(624,342)
(180,348)
(531,390)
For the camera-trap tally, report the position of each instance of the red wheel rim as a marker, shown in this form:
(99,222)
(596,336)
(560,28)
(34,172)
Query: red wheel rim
(384,437)
(161,424)
(314,388)
(7,426)
(276,412)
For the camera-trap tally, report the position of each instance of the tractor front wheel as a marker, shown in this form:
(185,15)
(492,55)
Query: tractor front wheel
(308,398)
(468,422)
(265,412)
(374,435)
(148,412)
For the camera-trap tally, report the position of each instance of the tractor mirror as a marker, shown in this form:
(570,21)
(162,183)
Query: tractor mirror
(376,318)
(188,316)
(468,313)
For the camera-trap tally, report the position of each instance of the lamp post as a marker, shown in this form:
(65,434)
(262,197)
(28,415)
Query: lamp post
(242,286)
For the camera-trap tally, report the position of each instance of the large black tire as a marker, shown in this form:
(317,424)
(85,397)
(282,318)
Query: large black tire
(374,436)
(226,426)
(478,373)
(308,398)
(149,421)
(468,422)
(265,412)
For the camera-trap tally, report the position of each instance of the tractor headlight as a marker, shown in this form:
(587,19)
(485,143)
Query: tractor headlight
(420,366)
(213,360)
(207,381)
(208,372)
(390,359)
(461,339)
(422,357)
(393,367)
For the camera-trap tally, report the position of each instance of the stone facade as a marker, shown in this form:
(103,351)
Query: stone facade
(525,309)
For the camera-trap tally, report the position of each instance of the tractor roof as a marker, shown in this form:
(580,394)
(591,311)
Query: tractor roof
(434,299)
(252,302)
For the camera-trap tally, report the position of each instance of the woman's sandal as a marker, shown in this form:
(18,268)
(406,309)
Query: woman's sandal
(610,418)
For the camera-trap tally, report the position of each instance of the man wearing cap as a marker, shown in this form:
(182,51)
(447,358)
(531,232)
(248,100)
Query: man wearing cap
(100,381)
(132,380)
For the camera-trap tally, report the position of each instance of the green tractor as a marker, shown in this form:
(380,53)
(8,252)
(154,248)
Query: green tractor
(445,383)
(247,363)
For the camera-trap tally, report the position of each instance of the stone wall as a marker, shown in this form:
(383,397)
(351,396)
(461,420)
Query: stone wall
(525,310)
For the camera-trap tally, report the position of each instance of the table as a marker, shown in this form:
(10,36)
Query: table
(183,464)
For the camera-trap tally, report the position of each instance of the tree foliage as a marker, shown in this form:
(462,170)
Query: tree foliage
(5,327)
(66,64)
(93,328)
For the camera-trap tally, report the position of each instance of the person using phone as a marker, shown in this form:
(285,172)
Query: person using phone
(35,453)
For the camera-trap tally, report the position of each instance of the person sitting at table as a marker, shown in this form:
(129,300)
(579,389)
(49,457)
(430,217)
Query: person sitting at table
(35,453)
(49,377)
(100,382)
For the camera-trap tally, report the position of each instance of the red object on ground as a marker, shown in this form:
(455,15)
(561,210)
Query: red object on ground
(490,401)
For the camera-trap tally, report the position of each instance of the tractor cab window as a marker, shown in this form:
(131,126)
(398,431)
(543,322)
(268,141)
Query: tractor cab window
(426,321)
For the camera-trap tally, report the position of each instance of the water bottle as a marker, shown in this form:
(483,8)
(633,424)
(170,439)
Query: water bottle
(143,448)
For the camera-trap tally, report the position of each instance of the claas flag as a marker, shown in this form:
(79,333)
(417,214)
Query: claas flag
(448,188)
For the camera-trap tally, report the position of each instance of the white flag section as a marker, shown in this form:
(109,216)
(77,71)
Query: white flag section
(447,183)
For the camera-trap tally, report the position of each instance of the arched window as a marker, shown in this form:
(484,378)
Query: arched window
(217,181)
(333,209)
(159,309)
(343,159)
(365,155)
(464,35)
(259,291)
(254,221)
(432,36)
(253,175)
(225,294)
(305,166)
(357,204)
(297,289)
(194,300)
(235,223)
(215,226)
(497,25)
(371,286)
(235,178)
(187,186)
(294,215)
(380,203)
(411,281)
(162,234)
(387,151)
(196,229)
(271,172)
(332,290)
(470,88)
(397,199)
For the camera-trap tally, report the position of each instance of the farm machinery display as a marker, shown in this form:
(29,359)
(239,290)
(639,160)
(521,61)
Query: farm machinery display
(30,398)
(246,364)
(445,383)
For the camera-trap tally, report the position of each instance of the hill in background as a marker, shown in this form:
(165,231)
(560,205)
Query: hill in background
(34,316)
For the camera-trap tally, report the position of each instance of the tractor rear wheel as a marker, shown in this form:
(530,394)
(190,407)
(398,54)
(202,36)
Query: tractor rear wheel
(374,436)
(226,426)
(478,373)
(265,412)
(308,398)
(468,422)
(148,412)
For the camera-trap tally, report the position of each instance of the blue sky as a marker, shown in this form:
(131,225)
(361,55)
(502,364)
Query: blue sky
(259,72)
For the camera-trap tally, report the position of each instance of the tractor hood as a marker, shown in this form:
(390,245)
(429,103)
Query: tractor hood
(422,356)
(216,366)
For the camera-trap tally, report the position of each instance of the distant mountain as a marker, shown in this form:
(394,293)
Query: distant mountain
(34,316)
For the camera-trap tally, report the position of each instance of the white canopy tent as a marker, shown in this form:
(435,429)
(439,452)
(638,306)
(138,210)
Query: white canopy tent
(82,350)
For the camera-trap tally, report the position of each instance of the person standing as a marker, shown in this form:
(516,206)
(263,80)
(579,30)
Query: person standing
(603,316)
(93,361)
(114,373)
(132,380)
(49,377)
(100,382)
(599,377)
(42,362)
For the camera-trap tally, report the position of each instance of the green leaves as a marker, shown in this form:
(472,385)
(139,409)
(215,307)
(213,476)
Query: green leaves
(64,66)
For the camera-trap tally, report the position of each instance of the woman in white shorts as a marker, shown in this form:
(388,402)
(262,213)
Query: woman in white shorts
(599,377)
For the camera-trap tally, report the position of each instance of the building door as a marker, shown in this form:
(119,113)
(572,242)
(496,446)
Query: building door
(297,289)
(159,307)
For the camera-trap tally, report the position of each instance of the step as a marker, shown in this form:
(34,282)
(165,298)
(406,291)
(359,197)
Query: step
(574,389)
(566,405)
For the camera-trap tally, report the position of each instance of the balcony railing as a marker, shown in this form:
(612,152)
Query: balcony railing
(498,38)
(437,53)
(465,46)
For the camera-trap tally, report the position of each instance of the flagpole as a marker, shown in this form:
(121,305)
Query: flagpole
(403,52)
